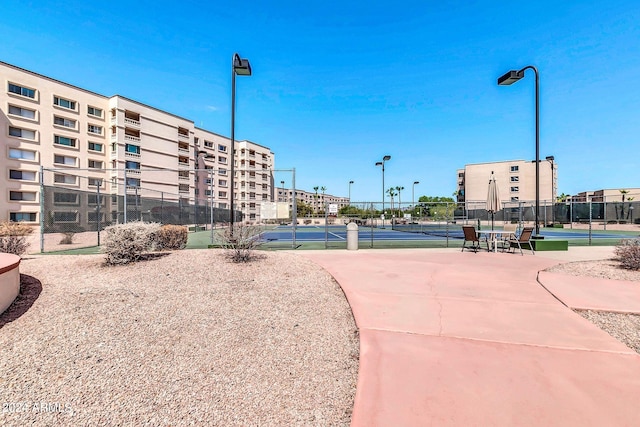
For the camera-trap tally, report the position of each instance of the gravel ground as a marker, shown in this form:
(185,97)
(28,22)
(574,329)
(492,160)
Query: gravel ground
(623,327)
(185,338)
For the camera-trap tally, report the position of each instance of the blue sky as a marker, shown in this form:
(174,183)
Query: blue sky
(338,85)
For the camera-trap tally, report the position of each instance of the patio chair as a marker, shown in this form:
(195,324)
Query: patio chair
(504,241)
(471,236)
(523,239)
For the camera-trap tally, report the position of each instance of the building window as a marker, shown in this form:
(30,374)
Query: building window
(222,194)
(94,146)
(24,196)
(222,183)
(61,178)
(65,198)
(183,188)
(63,140)
(22,133)
(222,160)
(93,216)
(183,132)
(92,199)
(22,91)
(93,111)
(515,168)
(94,129)
(181,174)
(515,199)
(64,160)
(95,182)
(95,164)
(22,112)
(515,179)
(132,165)
(64,103)
(22,216)
(515,189)
(130,148)
(222,172)
(17,153)
(65,216)
(61,121)
(133,182)
(22,175)
(222,148)
(208,144)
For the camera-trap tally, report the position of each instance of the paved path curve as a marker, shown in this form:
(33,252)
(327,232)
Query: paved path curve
(472,339)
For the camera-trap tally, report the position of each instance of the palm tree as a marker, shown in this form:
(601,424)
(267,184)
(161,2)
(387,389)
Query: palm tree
(391,192)
(315,198)
(323,189)
(399,199)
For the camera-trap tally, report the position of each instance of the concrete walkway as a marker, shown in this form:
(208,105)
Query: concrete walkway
(472,339)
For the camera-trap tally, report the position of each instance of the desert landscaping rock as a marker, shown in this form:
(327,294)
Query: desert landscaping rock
(185,338)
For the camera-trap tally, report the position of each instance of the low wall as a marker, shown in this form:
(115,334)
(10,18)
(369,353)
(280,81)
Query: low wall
(9,279)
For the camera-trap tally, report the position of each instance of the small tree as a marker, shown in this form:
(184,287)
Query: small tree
(13,237)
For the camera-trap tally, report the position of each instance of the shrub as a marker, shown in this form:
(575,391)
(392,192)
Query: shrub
(628,253)
(67,239)
(125,243)
(171,237)
(13,237)
(241,243)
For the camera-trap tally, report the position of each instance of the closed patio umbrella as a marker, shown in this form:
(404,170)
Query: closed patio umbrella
(493,198)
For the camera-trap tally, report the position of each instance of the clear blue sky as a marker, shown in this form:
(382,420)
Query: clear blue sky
(337,85)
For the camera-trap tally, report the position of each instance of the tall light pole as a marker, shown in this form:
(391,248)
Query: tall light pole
(510,78)
(384,159)
(284,198)
(240,67)
(350,182)
(413,198)
(550,159)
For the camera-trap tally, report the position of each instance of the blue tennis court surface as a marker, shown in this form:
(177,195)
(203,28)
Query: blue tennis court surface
(339,233)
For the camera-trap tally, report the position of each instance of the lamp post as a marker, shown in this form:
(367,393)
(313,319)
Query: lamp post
(413,198)
(384,159)
(350,182)
(508,79)
(550,159)
(284,198)
(240,67)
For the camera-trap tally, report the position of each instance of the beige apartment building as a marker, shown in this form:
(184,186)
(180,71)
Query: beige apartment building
(317,202)
(516,180)
(610,195)
(87,142)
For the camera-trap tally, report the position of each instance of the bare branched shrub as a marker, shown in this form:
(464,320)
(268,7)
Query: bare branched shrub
(628,253)
(125,243)
(171,237)
(240,243)
(13,237)
(67,239)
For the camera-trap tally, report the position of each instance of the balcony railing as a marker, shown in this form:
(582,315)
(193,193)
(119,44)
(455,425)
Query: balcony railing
(134,155)
(132,138)
(131,121)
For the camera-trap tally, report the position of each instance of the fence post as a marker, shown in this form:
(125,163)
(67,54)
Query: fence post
(326,226)
(125,196)
(294,211)
(41,209)
(212,219)
(98,184)
(604,207)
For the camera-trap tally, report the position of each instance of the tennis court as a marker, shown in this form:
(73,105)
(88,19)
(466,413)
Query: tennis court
(431,235)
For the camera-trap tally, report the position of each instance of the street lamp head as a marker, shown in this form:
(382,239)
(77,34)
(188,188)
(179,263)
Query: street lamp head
(416,182)
(510,78)
(386,158)
(550,158)
(241,66)
(378,163)
(350,182)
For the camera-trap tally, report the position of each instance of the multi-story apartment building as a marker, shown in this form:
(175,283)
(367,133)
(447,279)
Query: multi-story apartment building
(317,202)
(85,141)
(610,195)
(516,180)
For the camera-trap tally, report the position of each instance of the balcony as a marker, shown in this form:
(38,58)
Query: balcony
(132,155)
(132,122)
(132,138)
(133,171)
(183,147)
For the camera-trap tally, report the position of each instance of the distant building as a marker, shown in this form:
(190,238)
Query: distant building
(317,202)
(516,180)
(607,195)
